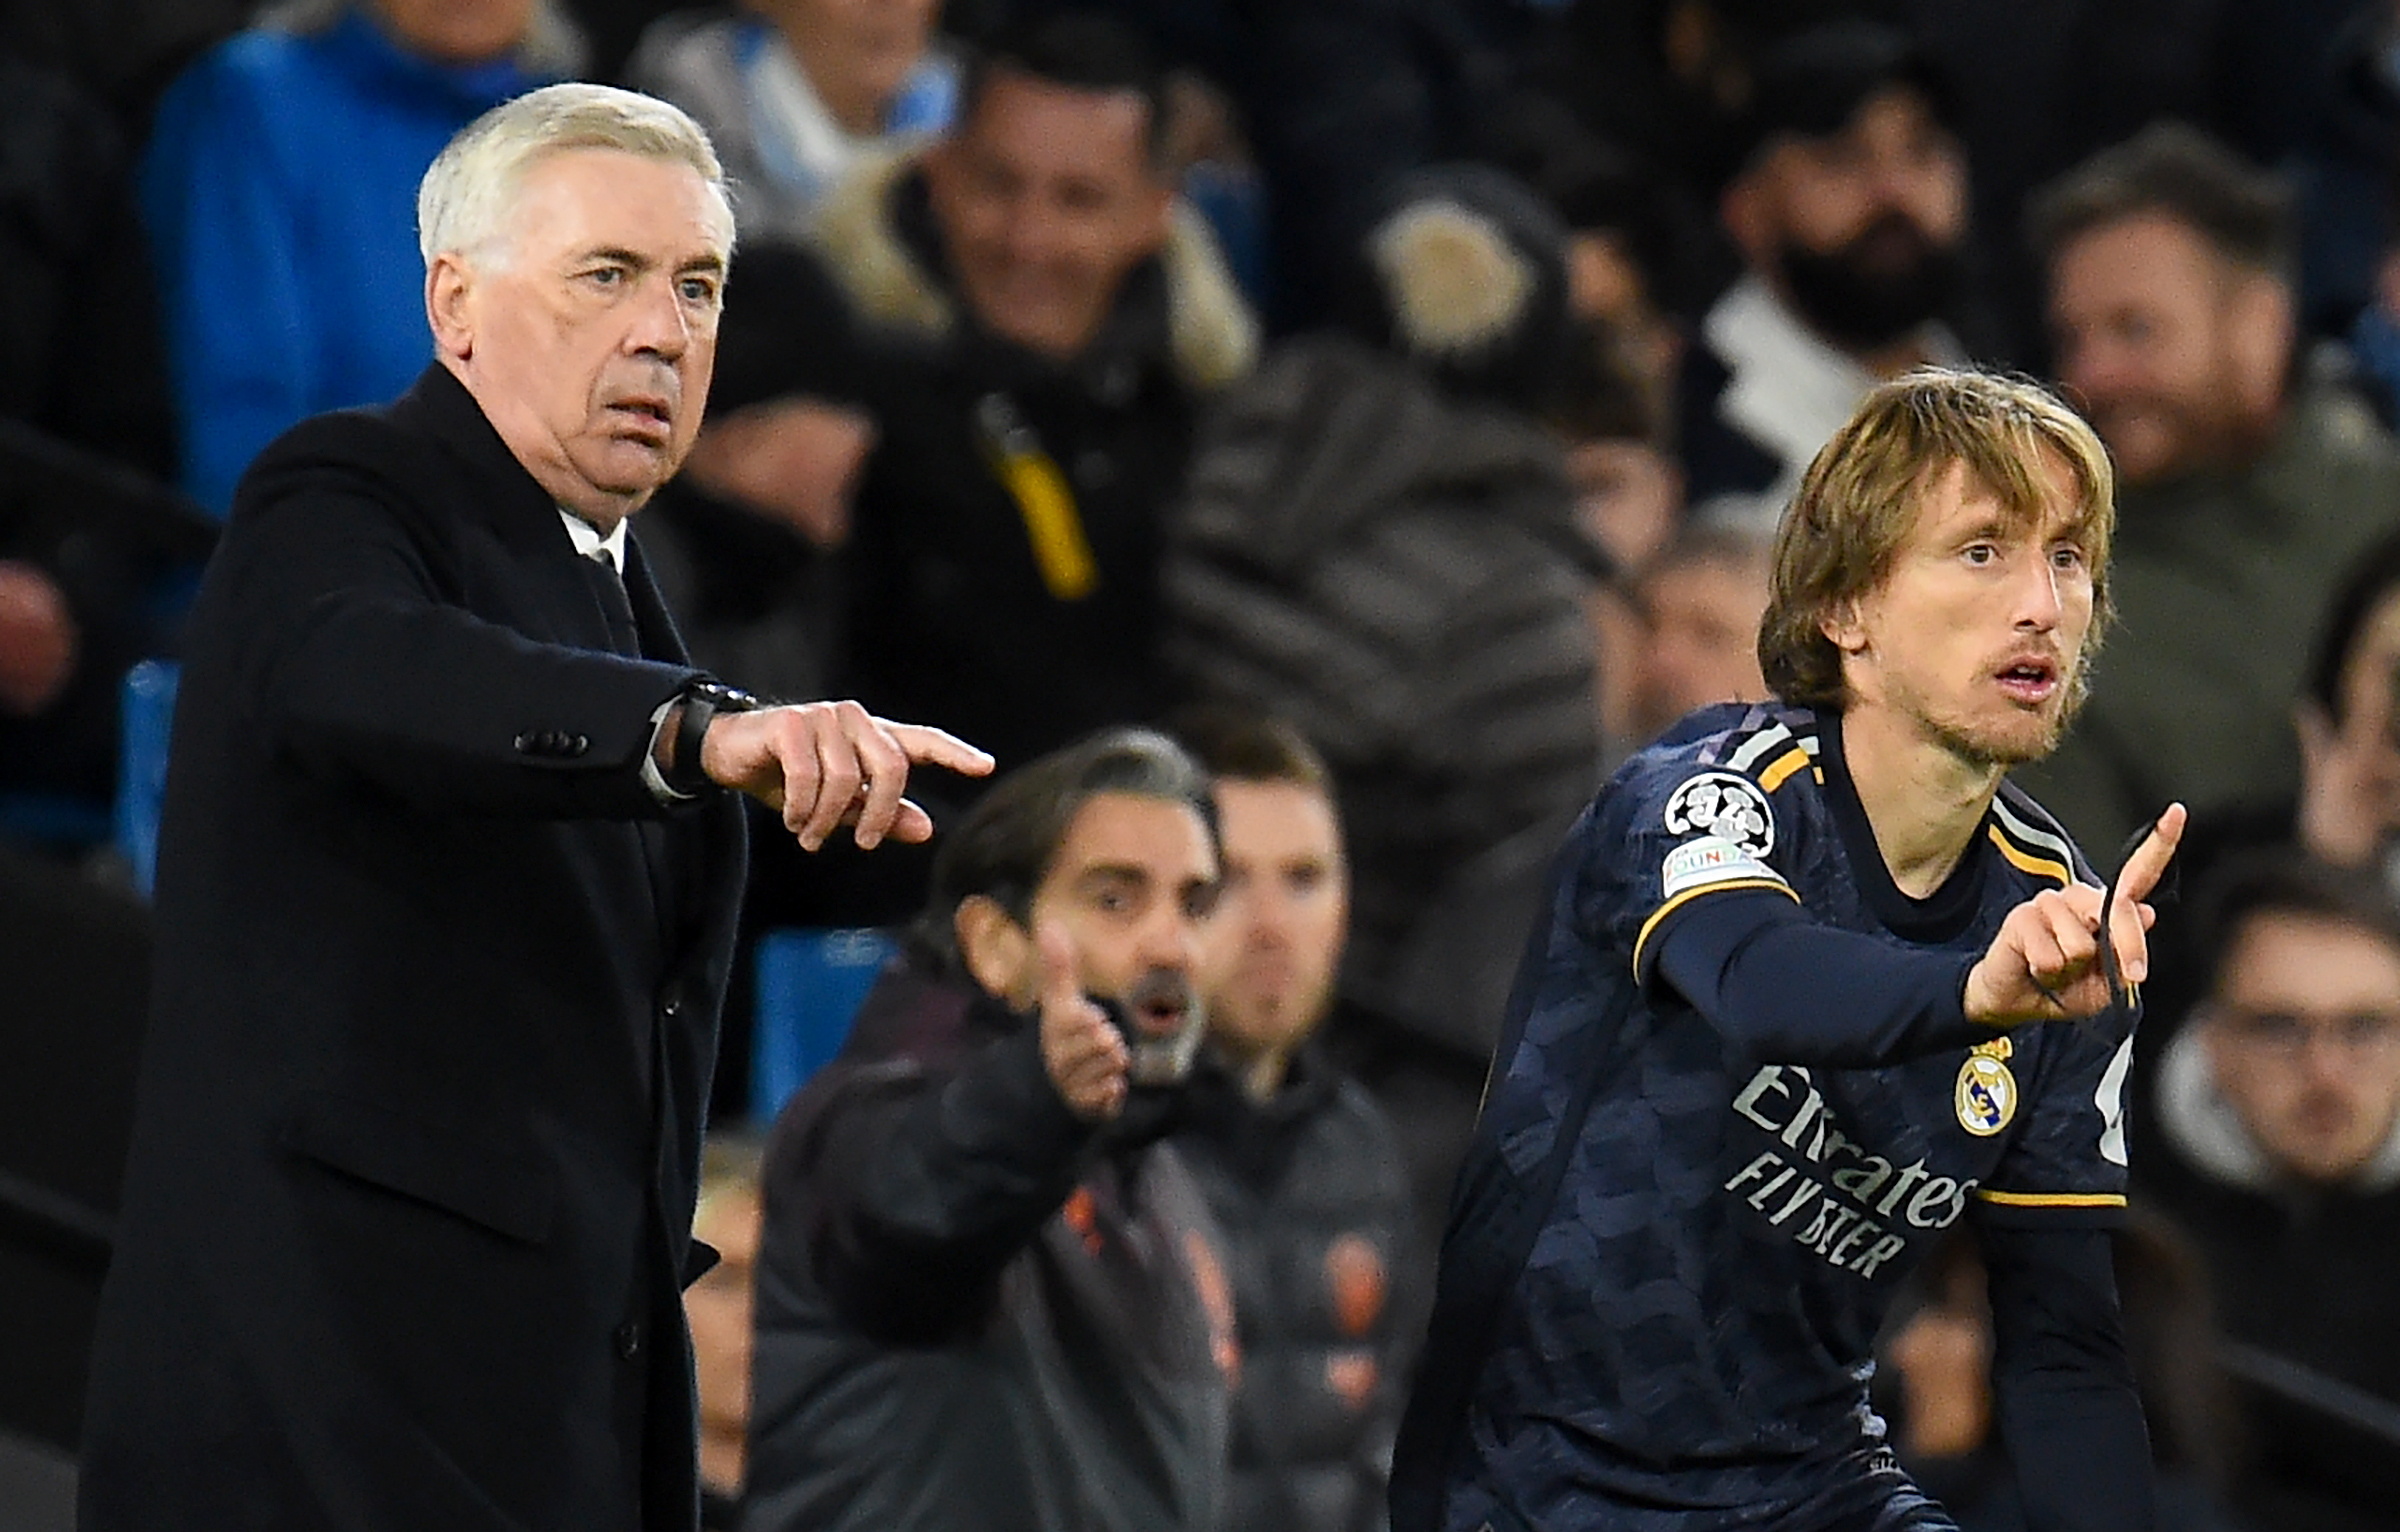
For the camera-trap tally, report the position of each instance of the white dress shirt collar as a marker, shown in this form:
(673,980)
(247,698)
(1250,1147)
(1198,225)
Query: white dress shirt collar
(588,540)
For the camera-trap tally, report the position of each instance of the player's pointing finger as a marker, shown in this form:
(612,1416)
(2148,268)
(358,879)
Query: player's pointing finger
(2149,861)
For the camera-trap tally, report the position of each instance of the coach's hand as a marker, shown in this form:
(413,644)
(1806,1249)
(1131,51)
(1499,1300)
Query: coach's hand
(2045,963)
(823,764)
(1086,1057)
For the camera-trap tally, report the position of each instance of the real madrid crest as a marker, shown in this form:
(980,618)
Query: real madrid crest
(1987,1092)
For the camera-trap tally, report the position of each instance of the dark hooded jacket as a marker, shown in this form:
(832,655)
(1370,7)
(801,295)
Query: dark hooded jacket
(1309,1190)
(1400,574)
(977,1313)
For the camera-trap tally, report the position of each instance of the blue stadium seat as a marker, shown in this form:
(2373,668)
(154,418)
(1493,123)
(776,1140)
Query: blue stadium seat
(810,983)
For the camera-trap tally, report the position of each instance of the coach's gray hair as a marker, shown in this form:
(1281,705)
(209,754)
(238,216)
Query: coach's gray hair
(464,202)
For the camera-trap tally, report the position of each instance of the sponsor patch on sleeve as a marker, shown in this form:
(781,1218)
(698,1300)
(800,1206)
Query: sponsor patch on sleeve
(1707,860)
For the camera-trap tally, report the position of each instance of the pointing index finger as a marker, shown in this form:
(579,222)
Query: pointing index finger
(2148,863)
(938,747)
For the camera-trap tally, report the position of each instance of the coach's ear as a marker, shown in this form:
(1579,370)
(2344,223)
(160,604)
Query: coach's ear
(450,306)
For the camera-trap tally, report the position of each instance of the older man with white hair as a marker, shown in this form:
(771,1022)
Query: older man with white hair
(447,884)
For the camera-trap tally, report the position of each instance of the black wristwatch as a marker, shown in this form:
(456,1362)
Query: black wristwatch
(702,702)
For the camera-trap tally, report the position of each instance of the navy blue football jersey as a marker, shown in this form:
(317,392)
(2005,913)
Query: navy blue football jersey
(1689,1341)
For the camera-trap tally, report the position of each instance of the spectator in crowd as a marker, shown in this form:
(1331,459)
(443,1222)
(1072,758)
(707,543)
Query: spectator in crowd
(1336,99)
(1850,213)
(1632,253)
(1628,499)
(1944,1419)
(1380,544)
(1700,603)
(86,528)
(2347,811)
(1037,320)
(1613,423)
(721,1309)
(2348,718)
(797,93)
(2277,1145)
(2250,482)
(1300,1167)
(989,1297)
(278,187)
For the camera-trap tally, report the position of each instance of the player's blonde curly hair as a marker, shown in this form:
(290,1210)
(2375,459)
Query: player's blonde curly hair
(1859,501)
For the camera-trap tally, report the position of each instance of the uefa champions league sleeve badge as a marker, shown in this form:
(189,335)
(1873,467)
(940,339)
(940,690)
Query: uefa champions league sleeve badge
(1987,1091)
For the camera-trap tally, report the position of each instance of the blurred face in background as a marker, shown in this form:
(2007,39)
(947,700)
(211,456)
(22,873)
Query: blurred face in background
(1700,640)
(1859,229)
(1278,932)
(2350,765)
(2303,1038)
(858,53)
(2176,356)
(457,31)
(1047,197)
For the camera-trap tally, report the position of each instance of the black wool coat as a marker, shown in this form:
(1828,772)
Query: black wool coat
(408,1207)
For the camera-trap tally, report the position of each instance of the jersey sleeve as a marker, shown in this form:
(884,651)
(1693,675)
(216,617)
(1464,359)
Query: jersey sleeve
(2066,1162)
(1670,835)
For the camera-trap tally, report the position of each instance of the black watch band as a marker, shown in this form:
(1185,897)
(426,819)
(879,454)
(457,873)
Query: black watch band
(702,702)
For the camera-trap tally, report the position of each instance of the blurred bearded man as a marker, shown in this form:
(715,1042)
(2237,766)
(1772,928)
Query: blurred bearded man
(1849,212)
(990,1299)
(2253,478)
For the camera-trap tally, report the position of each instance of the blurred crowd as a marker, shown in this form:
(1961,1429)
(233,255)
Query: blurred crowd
(1393,402)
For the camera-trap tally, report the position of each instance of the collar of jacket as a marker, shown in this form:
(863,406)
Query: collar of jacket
(1258,1138)
(517,507)
(877,237)
(2326,429)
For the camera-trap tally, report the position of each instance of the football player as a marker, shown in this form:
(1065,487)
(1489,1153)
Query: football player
(1816,983)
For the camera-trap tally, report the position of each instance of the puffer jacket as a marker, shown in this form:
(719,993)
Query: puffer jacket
(1400,574)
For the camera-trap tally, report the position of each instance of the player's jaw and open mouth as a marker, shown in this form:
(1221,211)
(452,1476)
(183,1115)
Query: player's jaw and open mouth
(2031,680)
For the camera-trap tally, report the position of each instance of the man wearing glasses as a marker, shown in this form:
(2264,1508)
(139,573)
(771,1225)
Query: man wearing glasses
(2275,1144)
